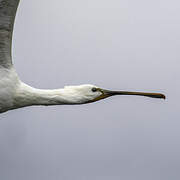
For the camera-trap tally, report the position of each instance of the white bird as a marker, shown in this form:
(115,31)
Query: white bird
(16,94)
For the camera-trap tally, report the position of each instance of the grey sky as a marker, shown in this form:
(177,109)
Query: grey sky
(117,44)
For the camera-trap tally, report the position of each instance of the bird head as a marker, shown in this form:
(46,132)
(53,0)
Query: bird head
(90,93)
(82,94)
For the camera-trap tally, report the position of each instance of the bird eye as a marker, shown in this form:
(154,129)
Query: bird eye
(94,89)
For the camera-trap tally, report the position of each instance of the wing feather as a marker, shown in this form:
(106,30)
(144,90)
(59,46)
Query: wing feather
(7,15)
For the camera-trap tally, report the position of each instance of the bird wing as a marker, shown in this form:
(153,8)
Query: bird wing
(7,15)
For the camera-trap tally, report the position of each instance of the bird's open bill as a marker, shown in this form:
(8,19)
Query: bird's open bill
(108,93)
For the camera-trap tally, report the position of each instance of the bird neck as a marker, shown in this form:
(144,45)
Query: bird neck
(28,96)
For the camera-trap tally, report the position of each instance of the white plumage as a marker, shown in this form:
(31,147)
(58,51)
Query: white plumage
(16,94)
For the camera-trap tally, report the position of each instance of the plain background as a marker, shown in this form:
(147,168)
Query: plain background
(114,44)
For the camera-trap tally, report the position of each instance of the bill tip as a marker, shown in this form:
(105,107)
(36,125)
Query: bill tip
(163,96)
